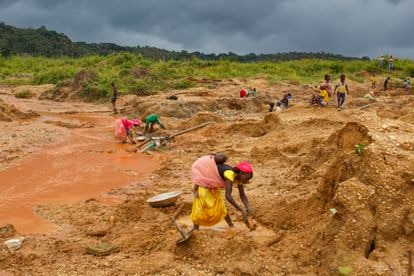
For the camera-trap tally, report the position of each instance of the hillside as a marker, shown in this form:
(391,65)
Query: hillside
(44,42)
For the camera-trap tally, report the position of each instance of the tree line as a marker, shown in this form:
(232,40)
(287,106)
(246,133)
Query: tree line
(49,43)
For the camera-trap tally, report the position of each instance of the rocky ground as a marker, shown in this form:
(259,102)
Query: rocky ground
(321,207)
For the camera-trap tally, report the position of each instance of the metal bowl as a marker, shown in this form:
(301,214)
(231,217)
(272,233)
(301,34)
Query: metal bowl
(165,199)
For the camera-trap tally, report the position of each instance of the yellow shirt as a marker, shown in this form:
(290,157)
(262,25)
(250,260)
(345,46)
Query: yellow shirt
(231,176)
(325,95)
(373,79)
(341,87)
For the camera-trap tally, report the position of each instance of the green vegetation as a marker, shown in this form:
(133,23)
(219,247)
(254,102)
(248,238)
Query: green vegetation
(134,74)
(40,56)
(44,42)
(25,94)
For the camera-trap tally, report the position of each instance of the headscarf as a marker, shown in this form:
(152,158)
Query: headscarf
(245,167)
(137,122)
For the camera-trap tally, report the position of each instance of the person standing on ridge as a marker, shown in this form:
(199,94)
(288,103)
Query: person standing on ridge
(373,81)
(390,64)
(341,87)
(115,96)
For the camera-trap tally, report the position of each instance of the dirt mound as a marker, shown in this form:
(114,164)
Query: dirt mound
(391,111)
(72,124)
(202,117)
(58,94)
(408,118)
(10,113)
(30,91)
(347,137)
(7,231)
(82,77)
(70,88)
(358,103)
(314,123)
(251,105)
(266,153)
(254,128)
(397,92)
(341,141)
(175,109)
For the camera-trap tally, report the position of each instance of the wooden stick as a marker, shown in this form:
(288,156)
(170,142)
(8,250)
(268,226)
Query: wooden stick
(190,129)
(367,105)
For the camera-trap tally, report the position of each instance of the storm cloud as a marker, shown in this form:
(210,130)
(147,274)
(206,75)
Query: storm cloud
(348,27)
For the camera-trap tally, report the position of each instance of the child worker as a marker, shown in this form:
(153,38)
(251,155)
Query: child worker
(341,87)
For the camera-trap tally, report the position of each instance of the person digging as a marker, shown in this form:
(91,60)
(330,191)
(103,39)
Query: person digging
(210,174)
(150,121)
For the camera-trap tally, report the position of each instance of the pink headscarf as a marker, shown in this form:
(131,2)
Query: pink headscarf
(130,123)
(137,122)
(245,167)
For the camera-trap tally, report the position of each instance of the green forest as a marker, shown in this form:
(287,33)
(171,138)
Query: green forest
(43,42)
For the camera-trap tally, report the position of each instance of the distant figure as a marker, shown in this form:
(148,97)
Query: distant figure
(387,83)
(320,98)
(407,85)
(327,85)
(381,61)
(323,97)
(271,106)
(172,97)
(150,121)
(244,93)
(115,96)
(253,92)
(373,81)
(390,64)
(123,129)
(284,102)
(341,87)
(325,91)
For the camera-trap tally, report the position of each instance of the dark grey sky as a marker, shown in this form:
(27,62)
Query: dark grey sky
(348,27)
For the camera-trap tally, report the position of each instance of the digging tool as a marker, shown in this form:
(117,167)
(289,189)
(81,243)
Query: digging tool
(184,236)
(367,105)
(167,139)
(188,130)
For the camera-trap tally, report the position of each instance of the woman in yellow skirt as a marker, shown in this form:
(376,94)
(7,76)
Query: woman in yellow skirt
(210,174)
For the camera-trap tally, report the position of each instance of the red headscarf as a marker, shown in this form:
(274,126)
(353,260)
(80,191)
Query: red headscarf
(245,167)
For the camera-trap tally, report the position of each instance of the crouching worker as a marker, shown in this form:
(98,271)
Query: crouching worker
(244,93)
(321,98)
(210,174)
(284,102)
(123,129)
(271,106)
(150,121)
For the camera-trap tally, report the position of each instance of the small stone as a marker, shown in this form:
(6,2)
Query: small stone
(102,249)
(333,211)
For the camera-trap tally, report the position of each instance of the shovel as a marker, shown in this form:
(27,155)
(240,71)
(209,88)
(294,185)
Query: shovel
(184,236)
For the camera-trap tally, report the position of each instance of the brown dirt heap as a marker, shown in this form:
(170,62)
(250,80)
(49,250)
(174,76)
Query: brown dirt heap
(10,113)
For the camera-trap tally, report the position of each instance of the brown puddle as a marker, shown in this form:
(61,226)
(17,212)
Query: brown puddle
(89,163)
